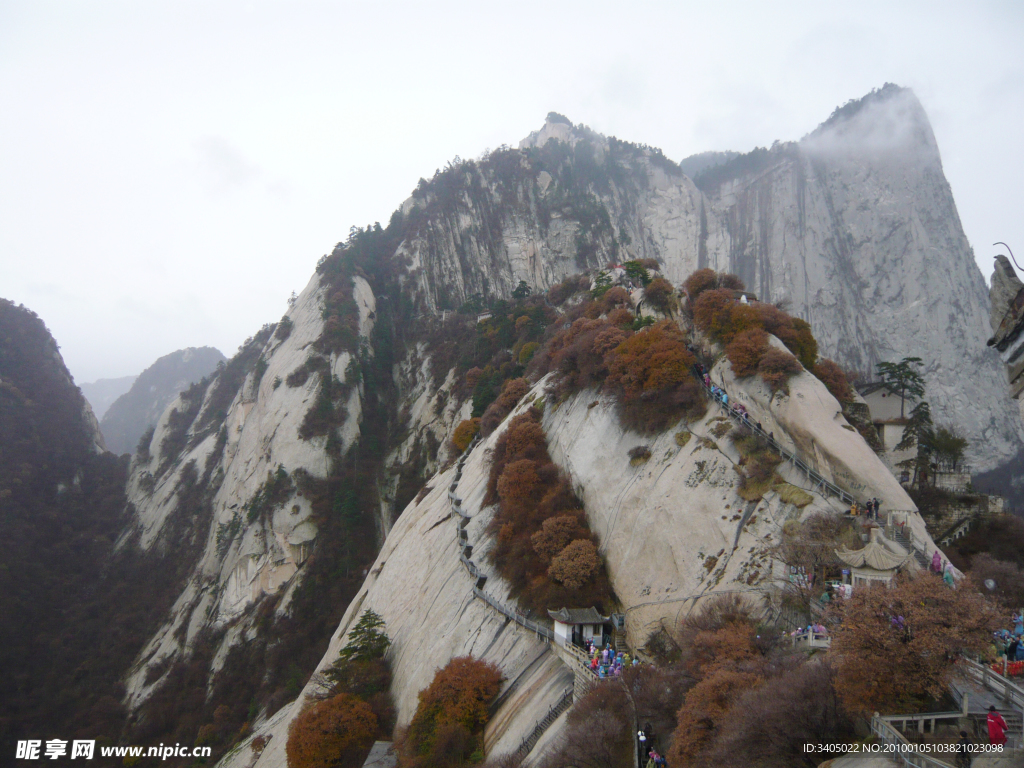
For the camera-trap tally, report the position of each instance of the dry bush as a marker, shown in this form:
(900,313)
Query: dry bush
(683,437)
(746,350)
(575,565)
(757,474)
(556,533)
(660,294)
(706,713)
(511,393)
(639,454)
(652,371)
(335,733)
(700,281)
(448,724)
(832,376)
(896,645)
(519,481)
(464,433)
(769,725)
(776,367)
(790,494)
(598,733)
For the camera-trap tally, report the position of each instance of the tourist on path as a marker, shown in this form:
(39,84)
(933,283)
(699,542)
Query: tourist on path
(996,727)
(963,751)
(936,562)
(947,576)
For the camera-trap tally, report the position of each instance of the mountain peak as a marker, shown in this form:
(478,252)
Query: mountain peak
(560,127)
(887,120)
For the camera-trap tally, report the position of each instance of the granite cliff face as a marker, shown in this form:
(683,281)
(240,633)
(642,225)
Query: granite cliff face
(290,468)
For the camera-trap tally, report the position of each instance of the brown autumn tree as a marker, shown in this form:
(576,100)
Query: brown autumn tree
(700,281)
(518,481)
(705,714)
(776,368)
(575,565)
(895,645)
(834,379)
(711,312)
(511,393)
(335,733)
(464,433)
(746,350)
(451,714)
(651,361)
(556,533)
(659,294)
(769,725)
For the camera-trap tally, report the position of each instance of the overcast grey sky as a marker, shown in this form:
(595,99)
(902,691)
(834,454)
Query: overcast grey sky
(171,171)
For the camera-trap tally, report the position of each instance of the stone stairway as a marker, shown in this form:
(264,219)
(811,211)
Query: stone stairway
(904,541)
(545,722)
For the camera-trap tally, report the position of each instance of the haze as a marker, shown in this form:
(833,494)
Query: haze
(170,172)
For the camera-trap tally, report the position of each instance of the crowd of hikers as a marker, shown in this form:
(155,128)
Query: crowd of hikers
(605,662)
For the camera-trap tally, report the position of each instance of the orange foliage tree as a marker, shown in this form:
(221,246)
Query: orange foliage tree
(451,714)
(335,733)
(746,350)
(538,518)
(556,533)
(464,433)
(776,367)
(575,565)
(832,376)
(705,713)
(659,295)
(652,372)
(895,645)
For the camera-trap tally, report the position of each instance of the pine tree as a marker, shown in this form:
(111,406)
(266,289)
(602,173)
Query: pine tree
(367,640)
(903,378)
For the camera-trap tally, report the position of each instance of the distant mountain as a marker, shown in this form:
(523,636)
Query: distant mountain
(140,407)
(102,393)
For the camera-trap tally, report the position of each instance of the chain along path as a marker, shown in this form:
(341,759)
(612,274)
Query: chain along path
(821,485)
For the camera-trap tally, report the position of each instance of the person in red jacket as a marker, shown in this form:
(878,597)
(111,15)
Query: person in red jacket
(996,727)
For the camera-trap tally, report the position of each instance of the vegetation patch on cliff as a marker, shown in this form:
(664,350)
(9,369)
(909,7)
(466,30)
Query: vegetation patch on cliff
(544,548)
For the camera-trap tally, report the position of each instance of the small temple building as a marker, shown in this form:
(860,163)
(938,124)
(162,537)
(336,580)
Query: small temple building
(577,625)
(874,562)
